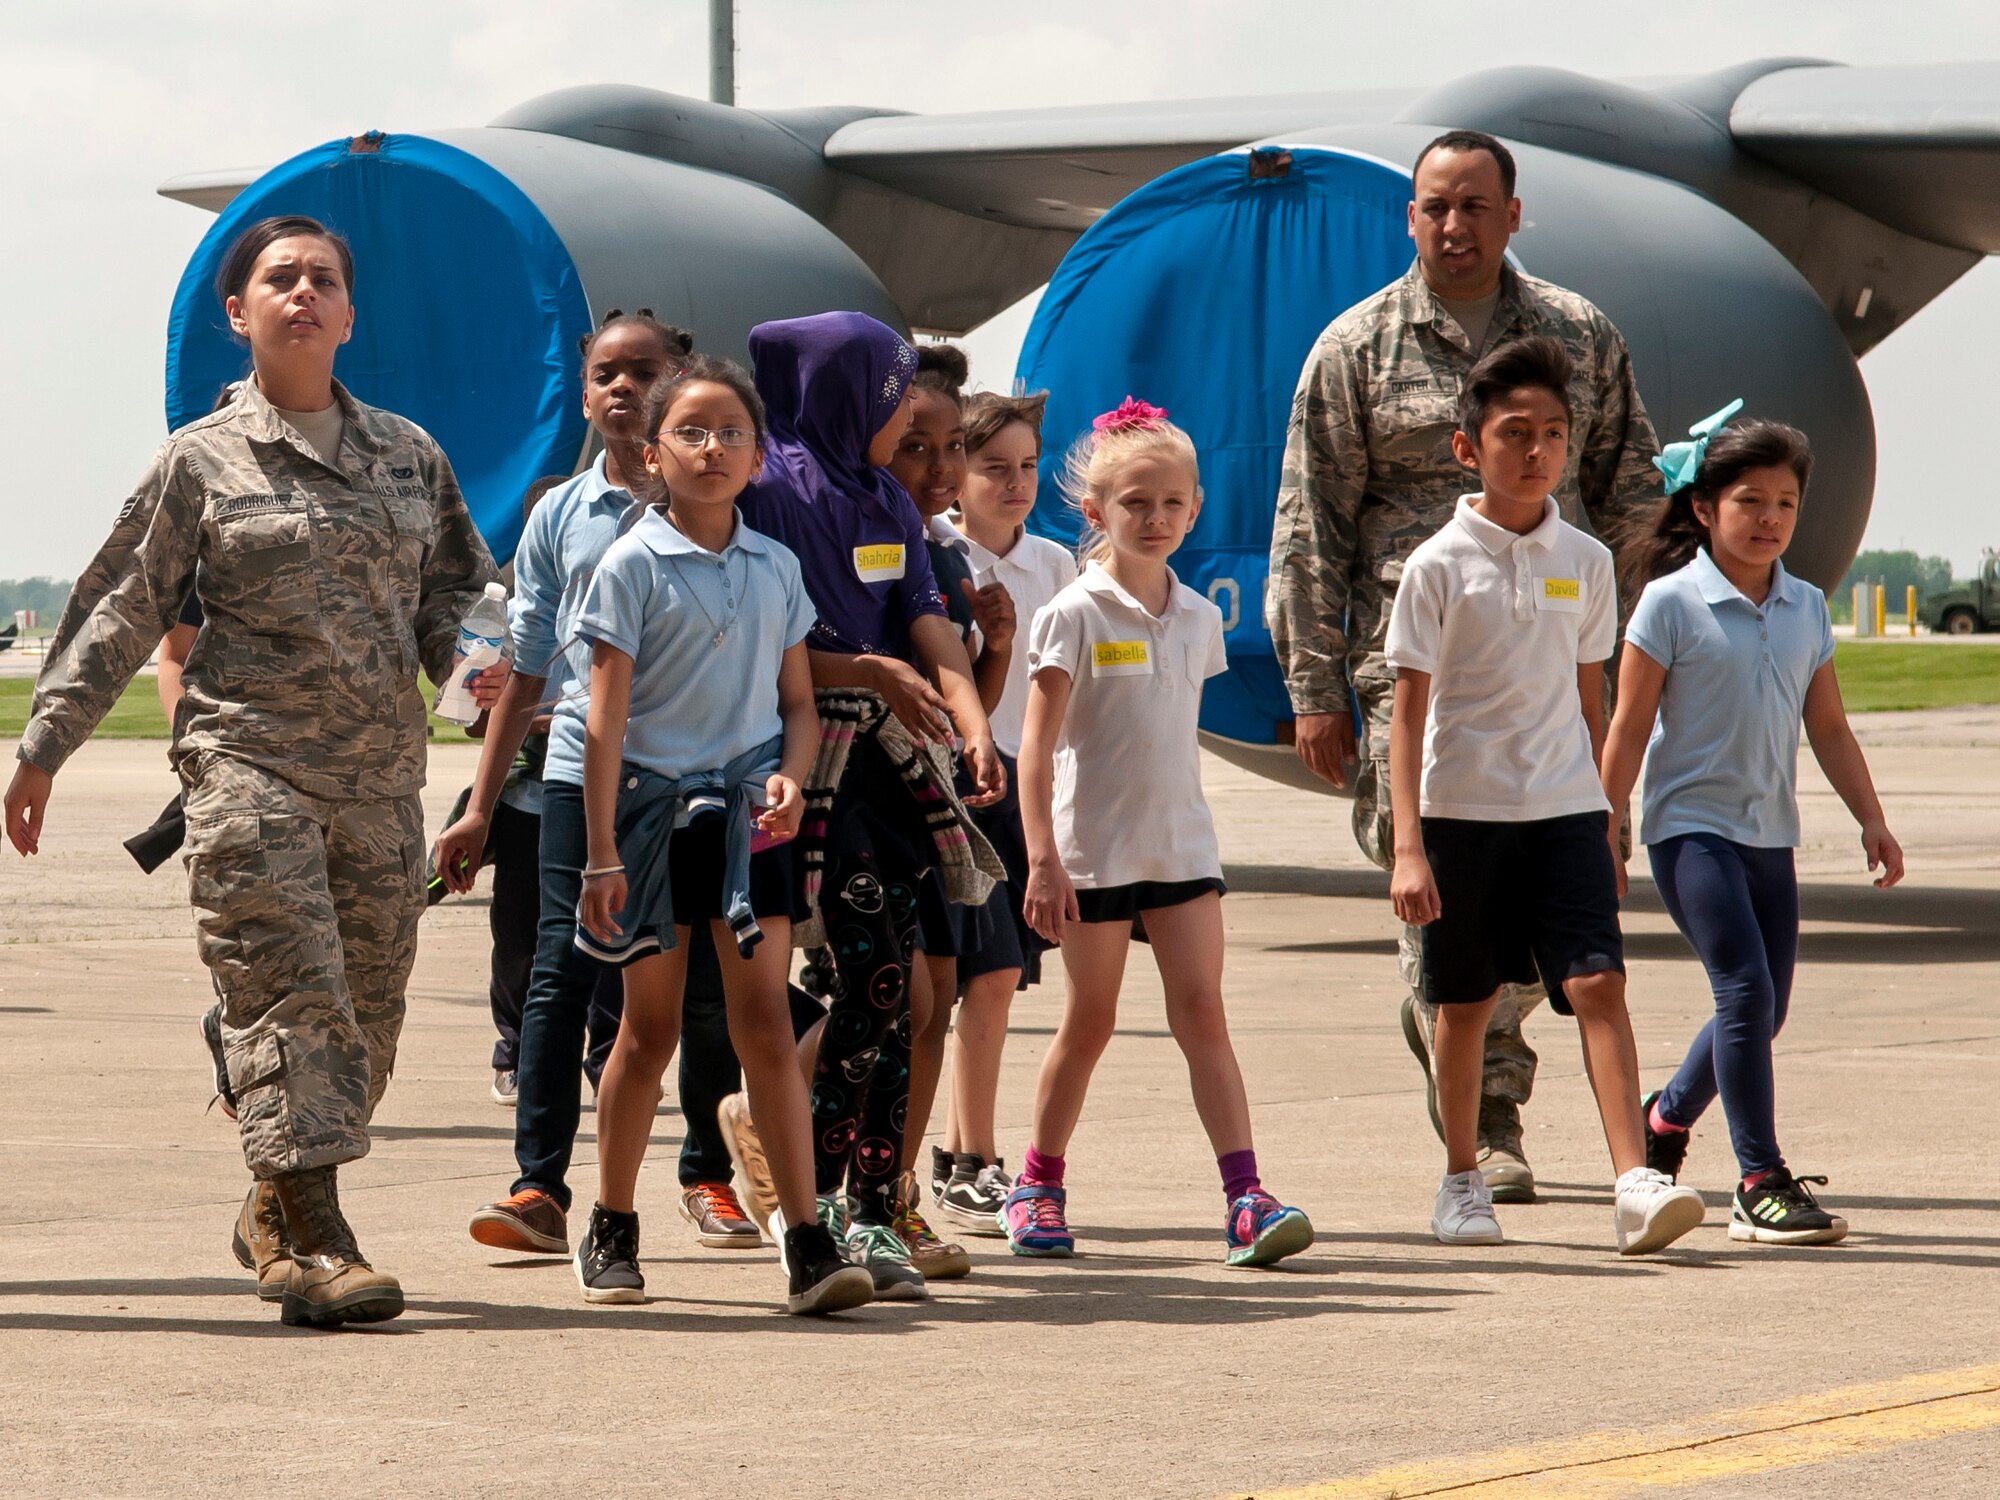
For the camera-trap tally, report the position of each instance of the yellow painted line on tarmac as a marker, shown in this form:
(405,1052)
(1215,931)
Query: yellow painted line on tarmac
(1823,1428)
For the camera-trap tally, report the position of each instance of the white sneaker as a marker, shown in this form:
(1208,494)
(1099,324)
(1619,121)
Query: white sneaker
(1464,1212)
(1653,1212)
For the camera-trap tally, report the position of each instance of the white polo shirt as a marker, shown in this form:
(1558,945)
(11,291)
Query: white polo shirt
(1501,622)
(1128,802)
(1034,570)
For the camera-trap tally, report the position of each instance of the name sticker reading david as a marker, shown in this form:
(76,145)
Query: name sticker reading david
(1121,659)
(878,562)
(1563,595)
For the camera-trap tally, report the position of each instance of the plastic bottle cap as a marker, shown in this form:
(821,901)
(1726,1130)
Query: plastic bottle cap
(496,590)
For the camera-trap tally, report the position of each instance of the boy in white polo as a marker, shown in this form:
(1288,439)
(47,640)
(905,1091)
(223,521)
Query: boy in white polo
(1502,624)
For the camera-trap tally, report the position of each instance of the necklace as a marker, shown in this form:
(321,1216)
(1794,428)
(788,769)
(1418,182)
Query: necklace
(720,627)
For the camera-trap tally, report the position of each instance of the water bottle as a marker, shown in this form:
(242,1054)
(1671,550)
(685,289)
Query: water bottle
(482,640)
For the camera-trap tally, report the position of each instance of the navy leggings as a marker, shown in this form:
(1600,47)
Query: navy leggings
(1739,908)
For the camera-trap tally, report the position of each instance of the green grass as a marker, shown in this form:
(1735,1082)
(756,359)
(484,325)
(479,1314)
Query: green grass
(137,716)
(1874,676)
(1881,675)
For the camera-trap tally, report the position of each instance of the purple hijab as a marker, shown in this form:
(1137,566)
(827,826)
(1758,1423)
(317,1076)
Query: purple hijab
(829,383)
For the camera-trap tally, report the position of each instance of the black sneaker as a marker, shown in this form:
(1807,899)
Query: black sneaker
(822,1279)
(607,1258)
(211,1034)
(1665,1150)
(972,1200)
(941,1165)
(1781,1210)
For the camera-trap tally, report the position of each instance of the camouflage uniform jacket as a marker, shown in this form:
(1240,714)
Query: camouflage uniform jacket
(1369,472)
(325,589)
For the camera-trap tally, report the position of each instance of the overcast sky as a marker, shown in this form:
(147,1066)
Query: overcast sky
(103,100)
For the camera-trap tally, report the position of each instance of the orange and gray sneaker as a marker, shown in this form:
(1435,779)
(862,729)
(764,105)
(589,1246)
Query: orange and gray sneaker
(938,1259)
(746,1155)
(718,1219)
(529,1222)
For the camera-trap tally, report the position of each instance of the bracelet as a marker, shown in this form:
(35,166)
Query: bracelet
(604,870)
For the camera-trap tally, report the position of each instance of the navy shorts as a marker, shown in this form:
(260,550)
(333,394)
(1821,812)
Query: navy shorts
(1519,900)
(1127,903)
(1007,941)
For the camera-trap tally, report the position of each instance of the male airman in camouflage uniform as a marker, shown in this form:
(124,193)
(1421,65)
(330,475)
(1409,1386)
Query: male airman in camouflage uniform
(300,741)
(1369,474)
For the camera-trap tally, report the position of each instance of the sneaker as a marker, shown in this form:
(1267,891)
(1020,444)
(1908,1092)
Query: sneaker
(1463,1214)
(882,1251)
(938,1259)
(1413,1034)
(1666,1150)
(718,1219)
(1261,1231)
(746,1155)
(1501,1161)
(822,1280)
(1652,1212)
(972,1200)
(607,1258)
(211,1036)
(505,1088)
(1781,1210)
(1036,1222)
(942,1162)
(529,1222)
(833,1215)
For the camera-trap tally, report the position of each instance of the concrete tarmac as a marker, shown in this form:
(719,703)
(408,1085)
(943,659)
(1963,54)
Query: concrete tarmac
(134,1360)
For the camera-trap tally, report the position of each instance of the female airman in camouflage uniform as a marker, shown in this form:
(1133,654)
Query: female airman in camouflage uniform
(334,557)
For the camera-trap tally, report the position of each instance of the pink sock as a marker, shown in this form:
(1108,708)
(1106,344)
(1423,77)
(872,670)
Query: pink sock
(1045,1170)
(1750,1182)
(1239,1174)
(1661,1125)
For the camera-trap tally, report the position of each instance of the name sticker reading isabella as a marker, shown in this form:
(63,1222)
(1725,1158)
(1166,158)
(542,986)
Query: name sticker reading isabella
(878,562)
(1121,659)
(1563,595)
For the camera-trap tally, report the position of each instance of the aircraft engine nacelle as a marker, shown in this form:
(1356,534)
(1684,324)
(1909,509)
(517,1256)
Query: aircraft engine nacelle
(483,255)
(1204,290)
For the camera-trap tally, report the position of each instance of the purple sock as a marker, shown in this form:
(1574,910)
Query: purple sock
(1046,1170)
(1239,1174)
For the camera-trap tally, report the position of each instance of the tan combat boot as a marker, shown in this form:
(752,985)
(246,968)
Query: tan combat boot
(260,1244)
(329,1283)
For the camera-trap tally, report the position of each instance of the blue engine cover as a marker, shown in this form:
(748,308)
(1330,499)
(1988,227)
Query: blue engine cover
(467,312)
(1203,292)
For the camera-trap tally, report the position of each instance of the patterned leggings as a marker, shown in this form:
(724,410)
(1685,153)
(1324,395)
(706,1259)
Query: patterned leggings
(861,1082)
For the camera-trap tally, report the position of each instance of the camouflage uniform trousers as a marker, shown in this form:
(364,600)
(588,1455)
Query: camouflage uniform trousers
(1510,1062)
(307,916)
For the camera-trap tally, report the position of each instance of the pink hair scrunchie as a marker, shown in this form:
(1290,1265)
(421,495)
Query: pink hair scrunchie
(1131,414)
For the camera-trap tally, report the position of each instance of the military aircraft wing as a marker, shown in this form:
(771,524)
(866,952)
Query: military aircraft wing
(1917,147)
(1062,168)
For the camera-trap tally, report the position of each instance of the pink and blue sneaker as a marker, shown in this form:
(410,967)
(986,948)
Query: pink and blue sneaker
(1261,1231)
(1034,1221)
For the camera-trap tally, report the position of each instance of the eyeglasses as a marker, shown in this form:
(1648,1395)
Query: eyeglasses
(697,437)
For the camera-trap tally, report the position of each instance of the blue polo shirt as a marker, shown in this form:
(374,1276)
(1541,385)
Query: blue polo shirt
(564,541)
(866,565)
(1724,754)
(706,632)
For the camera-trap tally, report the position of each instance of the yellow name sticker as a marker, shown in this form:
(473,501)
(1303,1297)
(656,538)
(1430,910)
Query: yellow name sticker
(878,562)
(1563,595)
(1121,659)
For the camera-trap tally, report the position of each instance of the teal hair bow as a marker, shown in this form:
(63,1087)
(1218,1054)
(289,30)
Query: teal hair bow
(1680,462)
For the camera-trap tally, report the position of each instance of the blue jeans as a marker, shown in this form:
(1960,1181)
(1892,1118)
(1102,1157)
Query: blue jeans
(1739,908)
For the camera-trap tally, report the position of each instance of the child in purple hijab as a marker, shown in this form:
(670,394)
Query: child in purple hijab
(836,387)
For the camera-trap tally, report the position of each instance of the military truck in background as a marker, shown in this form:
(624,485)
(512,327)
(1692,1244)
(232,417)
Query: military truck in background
(1966,608)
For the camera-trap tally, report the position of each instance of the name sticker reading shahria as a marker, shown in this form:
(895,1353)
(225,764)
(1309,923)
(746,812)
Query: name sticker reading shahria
(1563,595)
(1121,659)
(878,562)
